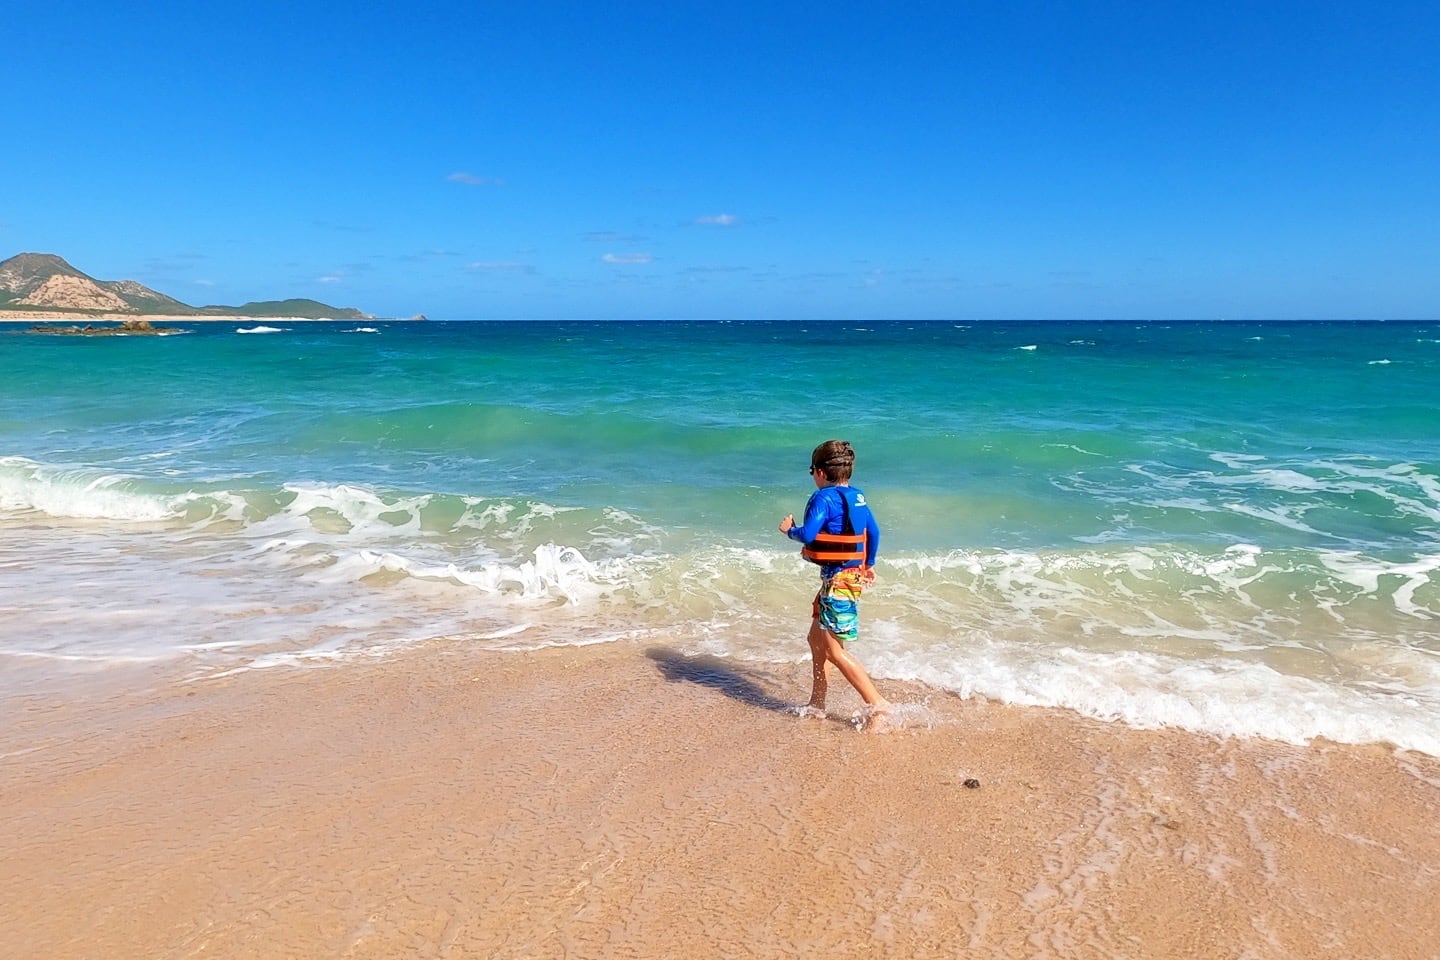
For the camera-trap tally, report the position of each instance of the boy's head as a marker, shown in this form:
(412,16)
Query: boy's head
(835,459)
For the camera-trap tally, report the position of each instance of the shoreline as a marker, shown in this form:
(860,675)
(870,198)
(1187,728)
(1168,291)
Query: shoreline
(630,801)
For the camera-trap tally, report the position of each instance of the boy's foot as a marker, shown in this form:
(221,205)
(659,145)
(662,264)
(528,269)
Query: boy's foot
(875,718)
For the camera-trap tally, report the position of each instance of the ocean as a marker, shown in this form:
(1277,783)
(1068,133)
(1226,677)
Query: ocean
(1226,527)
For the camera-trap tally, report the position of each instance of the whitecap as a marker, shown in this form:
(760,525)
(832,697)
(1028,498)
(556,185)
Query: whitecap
(554,572)
(77,492)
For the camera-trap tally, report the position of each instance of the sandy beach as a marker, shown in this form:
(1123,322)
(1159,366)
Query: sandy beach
(83,318)
(632,802)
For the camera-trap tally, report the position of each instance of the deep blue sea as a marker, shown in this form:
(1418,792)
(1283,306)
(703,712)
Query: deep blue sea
(1229,527)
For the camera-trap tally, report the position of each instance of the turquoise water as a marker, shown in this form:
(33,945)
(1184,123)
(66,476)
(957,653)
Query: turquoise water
(1230,527)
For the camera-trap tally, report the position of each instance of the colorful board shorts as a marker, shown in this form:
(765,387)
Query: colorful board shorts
(837,605)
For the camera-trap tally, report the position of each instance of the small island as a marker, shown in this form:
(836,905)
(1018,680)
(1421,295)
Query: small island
(127,328)
(43,286)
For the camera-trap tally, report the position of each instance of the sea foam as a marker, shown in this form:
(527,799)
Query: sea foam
(77,492)
(1224,697)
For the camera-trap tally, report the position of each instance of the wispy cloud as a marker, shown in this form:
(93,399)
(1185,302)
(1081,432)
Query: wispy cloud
(424,255)
(610,236)
(344,227)
(718,220)
(628,258)
(204,283)
(167,266)
(471,180)
(329,278)
(496,266)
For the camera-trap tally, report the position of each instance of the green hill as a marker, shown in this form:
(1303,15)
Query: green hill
(305,309)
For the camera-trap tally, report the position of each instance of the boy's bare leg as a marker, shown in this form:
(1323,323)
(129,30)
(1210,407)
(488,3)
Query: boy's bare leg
(819,657)
(850,667)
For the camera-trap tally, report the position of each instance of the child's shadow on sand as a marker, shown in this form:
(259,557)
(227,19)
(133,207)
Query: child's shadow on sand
(709,671)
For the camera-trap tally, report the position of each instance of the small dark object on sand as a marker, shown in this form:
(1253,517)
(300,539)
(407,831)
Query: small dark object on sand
(972,783)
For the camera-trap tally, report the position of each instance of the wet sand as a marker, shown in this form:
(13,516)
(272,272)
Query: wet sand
(623,802)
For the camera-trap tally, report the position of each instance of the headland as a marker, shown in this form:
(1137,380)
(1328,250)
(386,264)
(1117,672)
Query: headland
(43,286)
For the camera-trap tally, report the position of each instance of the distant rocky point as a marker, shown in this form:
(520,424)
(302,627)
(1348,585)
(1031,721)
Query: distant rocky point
(42,283)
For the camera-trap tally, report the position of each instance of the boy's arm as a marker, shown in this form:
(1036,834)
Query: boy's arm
(872,538)
(815,513)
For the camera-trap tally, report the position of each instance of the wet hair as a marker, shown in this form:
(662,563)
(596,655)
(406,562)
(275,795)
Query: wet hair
(835,459)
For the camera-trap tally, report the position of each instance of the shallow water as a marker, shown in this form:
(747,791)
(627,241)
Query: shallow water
(1229,527)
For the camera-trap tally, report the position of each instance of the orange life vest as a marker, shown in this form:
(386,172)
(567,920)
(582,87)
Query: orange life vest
(843,547)
(835,548)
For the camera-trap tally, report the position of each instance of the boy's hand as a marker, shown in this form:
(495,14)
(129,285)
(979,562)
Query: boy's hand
(867,576)
(788,523)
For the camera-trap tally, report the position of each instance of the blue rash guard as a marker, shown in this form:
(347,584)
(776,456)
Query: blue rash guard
(824,512)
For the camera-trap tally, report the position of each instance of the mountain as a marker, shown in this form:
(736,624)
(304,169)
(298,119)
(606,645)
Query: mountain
(45,283)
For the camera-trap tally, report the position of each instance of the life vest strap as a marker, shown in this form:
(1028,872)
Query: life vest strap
(835,548)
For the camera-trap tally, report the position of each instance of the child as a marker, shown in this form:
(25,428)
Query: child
(841,535)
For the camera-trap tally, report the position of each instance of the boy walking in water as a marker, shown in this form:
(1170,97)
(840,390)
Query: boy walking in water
(841,535)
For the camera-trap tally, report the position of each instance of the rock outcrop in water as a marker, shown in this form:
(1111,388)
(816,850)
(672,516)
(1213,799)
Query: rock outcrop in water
(126,328)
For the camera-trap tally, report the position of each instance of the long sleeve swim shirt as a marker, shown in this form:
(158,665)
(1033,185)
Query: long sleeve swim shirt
(824,512)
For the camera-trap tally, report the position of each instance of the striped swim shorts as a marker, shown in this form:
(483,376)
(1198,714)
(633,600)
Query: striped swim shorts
(837,605)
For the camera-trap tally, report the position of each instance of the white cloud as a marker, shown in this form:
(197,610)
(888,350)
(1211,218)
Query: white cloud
(628,258)
(204,283)
(718,220)
(329,278)
(471,180)
(610,236)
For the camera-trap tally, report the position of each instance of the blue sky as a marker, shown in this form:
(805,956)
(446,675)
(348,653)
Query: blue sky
(965,161)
